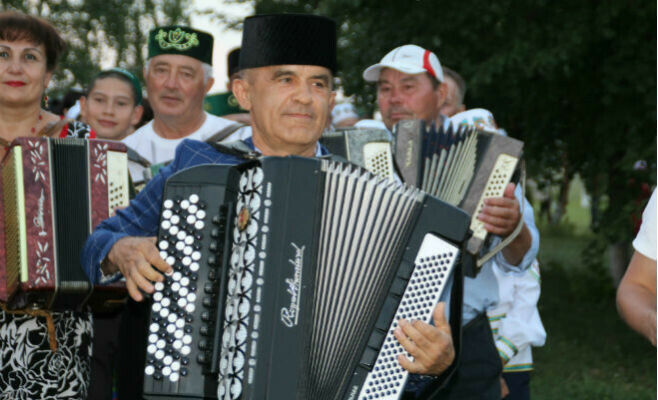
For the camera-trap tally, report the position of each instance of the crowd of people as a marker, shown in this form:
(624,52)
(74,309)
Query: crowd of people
(285,98)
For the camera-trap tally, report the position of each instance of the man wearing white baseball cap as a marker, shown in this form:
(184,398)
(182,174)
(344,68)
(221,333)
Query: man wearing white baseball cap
(409,85)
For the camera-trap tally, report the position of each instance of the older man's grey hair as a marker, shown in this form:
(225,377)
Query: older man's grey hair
(461,84)
(207,70)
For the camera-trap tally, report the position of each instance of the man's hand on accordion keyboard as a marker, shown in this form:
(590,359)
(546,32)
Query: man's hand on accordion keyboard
(137,258)
(431,346)
(501,215)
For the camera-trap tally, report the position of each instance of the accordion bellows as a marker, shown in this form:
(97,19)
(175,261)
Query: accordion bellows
(54,192)
(290,277)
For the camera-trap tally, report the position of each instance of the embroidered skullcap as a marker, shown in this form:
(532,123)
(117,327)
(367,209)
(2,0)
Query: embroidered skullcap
(181,40)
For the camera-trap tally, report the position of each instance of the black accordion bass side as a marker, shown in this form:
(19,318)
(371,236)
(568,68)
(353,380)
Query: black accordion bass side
(369,148)
(290,277)
(461,166)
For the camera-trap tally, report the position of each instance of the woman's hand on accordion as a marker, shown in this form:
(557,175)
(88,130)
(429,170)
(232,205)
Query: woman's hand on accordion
(430,346)
(139,261)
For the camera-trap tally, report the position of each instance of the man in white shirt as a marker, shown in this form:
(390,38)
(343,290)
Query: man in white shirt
(636,295)
(178,74)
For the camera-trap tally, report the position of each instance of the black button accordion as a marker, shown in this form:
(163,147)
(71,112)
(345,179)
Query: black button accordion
(461,166)
(290,275)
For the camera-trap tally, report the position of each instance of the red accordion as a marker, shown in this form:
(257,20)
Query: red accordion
(54,192)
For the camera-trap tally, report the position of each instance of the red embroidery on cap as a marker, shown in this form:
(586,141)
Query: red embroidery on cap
(427,65)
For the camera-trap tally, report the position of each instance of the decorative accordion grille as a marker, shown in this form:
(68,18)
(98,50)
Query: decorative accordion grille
(174,302)
(433,266)
(449,163)
(364,220)
(242,279)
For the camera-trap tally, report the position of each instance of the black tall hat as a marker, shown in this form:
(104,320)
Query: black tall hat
(233,61)
(295,39)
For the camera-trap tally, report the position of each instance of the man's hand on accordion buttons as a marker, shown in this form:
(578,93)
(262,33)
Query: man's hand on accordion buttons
(139,261)
(430,346)
(501,214)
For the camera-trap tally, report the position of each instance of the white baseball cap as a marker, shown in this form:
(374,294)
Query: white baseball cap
(409,59)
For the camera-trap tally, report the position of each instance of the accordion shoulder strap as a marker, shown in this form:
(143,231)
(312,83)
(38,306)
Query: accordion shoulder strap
(237,148)
(224,133)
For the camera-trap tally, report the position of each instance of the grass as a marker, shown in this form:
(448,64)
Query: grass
(590,353)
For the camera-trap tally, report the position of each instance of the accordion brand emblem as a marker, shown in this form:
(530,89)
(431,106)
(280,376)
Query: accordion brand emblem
(243,218)
(290,315)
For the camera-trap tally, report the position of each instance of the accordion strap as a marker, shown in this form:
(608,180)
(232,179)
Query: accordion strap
(52,336)
(224,133)
(237,148)
(516,230)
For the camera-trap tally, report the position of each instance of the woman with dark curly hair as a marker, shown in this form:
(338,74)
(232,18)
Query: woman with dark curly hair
(42,355)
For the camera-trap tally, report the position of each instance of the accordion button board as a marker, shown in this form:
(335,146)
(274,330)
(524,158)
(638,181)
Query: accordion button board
(371,149)
(304,267)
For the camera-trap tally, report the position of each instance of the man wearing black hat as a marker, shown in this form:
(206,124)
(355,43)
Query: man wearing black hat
(178,74)
(286,84)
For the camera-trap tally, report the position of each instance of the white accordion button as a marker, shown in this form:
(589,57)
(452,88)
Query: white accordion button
(182,302)
(166,371)
(189,240)
(185,350)
(192,209)
(176,276)
(178,344)
(184,204)
(194,266)
(171,328)
(156,307)
(165,225)
(165,302)
(175,366)
(187,250)
(191,219)
(180,246)
(174,377)
(194,198)
(191,298)
(175,219)
(180,323)
(149,370)
(189,308)
(181,235)
(157,296)
(196,256)
(164,255)
(151,349)
(199,225)
(188,261)
(187,339)
(154,327)
(184,281)
(183,290)
(153,338)
(175,286)
(159,286)
(163,245)
(168,203)
(171,260)
(200,214)
(167,214)
(159,354)
(173,230)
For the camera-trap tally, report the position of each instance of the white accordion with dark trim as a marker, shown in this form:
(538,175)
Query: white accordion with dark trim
(290,275)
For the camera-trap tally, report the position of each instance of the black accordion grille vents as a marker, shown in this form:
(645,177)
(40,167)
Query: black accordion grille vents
(242,277)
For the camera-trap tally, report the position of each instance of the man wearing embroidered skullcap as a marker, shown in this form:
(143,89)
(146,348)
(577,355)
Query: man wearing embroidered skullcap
(410,85)
(286,84)
(178,75)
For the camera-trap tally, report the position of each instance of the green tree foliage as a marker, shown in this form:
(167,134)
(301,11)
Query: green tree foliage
(576,80)
(101,33)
